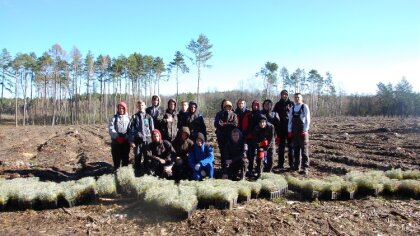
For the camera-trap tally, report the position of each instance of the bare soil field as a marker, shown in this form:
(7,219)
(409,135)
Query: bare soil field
(338,145)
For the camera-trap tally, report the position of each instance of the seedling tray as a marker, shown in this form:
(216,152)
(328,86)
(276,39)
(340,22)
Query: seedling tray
(273,194)
(330,195)
(205,203)
(244,198)
(363,192)
(347,195)
(181,214)
(311,194)
(223,204)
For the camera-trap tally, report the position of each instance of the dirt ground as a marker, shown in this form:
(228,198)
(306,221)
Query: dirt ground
(338,145)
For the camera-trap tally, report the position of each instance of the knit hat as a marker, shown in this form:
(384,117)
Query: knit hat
(123,105)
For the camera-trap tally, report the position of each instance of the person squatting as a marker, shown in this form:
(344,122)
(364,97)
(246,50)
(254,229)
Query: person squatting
(172,143)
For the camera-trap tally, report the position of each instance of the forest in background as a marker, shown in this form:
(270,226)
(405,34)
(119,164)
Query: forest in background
(67,88)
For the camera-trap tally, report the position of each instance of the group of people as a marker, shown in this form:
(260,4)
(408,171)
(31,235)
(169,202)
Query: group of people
(173,143)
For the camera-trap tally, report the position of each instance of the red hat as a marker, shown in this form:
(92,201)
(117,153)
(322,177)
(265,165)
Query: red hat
(256,102)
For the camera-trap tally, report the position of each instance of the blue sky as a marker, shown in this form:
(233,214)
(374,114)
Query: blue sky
(360,43)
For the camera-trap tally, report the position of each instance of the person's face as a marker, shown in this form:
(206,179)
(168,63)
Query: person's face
(262,124)
(156,136)
(172,106)
(193,108)
(235,137)
(266,106)
(298,98)
(284,96)
(184,136)
(184,106)
(155,102)
(199,142)
(228,108)
(241,105)
(141,107)
(121,110)
(255,107)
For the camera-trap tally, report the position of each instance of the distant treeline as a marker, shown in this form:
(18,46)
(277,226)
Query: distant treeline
(389,101)
(66,88)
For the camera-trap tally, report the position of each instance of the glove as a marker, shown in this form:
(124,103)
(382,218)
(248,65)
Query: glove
(197,167)
(264,143)
(261,154)
(290,135)
(278,140)
(302,134)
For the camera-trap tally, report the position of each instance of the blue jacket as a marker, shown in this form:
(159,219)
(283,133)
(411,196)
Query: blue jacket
(200,155)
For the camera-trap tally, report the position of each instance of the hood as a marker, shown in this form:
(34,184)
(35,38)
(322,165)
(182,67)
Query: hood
(200,136)
(157,131)
(193,103)
(186,130)
(270,104)
(262,117)
(227,103)
(255,102)
(237,131)
(156,96)
(222,104)
(124,105)
(171,100)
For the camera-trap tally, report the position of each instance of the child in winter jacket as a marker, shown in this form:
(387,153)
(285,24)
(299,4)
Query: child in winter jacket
(200,159)
(118,130)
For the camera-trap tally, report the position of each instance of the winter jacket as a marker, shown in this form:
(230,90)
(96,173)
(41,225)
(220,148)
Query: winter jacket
(157,113)
(169,128)
(283,107)
(272,116)
(267,133)
(253,120)
(160,150)
(118,124)
(195,122)
(200,155)
(141,126)
(182,147)
(229,119)
(243,118)
(234,151)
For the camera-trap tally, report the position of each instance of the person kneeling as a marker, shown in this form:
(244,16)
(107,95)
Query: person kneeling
(235,156)
(200,159)
(159,155)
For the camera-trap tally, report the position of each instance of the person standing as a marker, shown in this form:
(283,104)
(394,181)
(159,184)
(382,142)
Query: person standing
(224,122)
(118,130)
(248,133)
(282,108)
(141,127)
(156,111)
(170,122)
(299,121)
(183,113)
(243,114)
(194,121)
(201,158)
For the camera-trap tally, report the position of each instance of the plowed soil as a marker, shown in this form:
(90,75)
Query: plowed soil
(338,145)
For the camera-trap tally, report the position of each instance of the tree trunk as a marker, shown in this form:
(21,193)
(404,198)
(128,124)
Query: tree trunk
(16,98)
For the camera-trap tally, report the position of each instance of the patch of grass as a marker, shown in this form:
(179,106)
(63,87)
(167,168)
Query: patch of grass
(411,174)
(106,186)
(394,174)
(125,179)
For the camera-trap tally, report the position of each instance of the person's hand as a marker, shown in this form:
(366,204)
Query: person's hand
(228,162)
(290,135)
(162,161)
(197,167)
(263,143)
(303,134)
(132,145)
(169,119)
